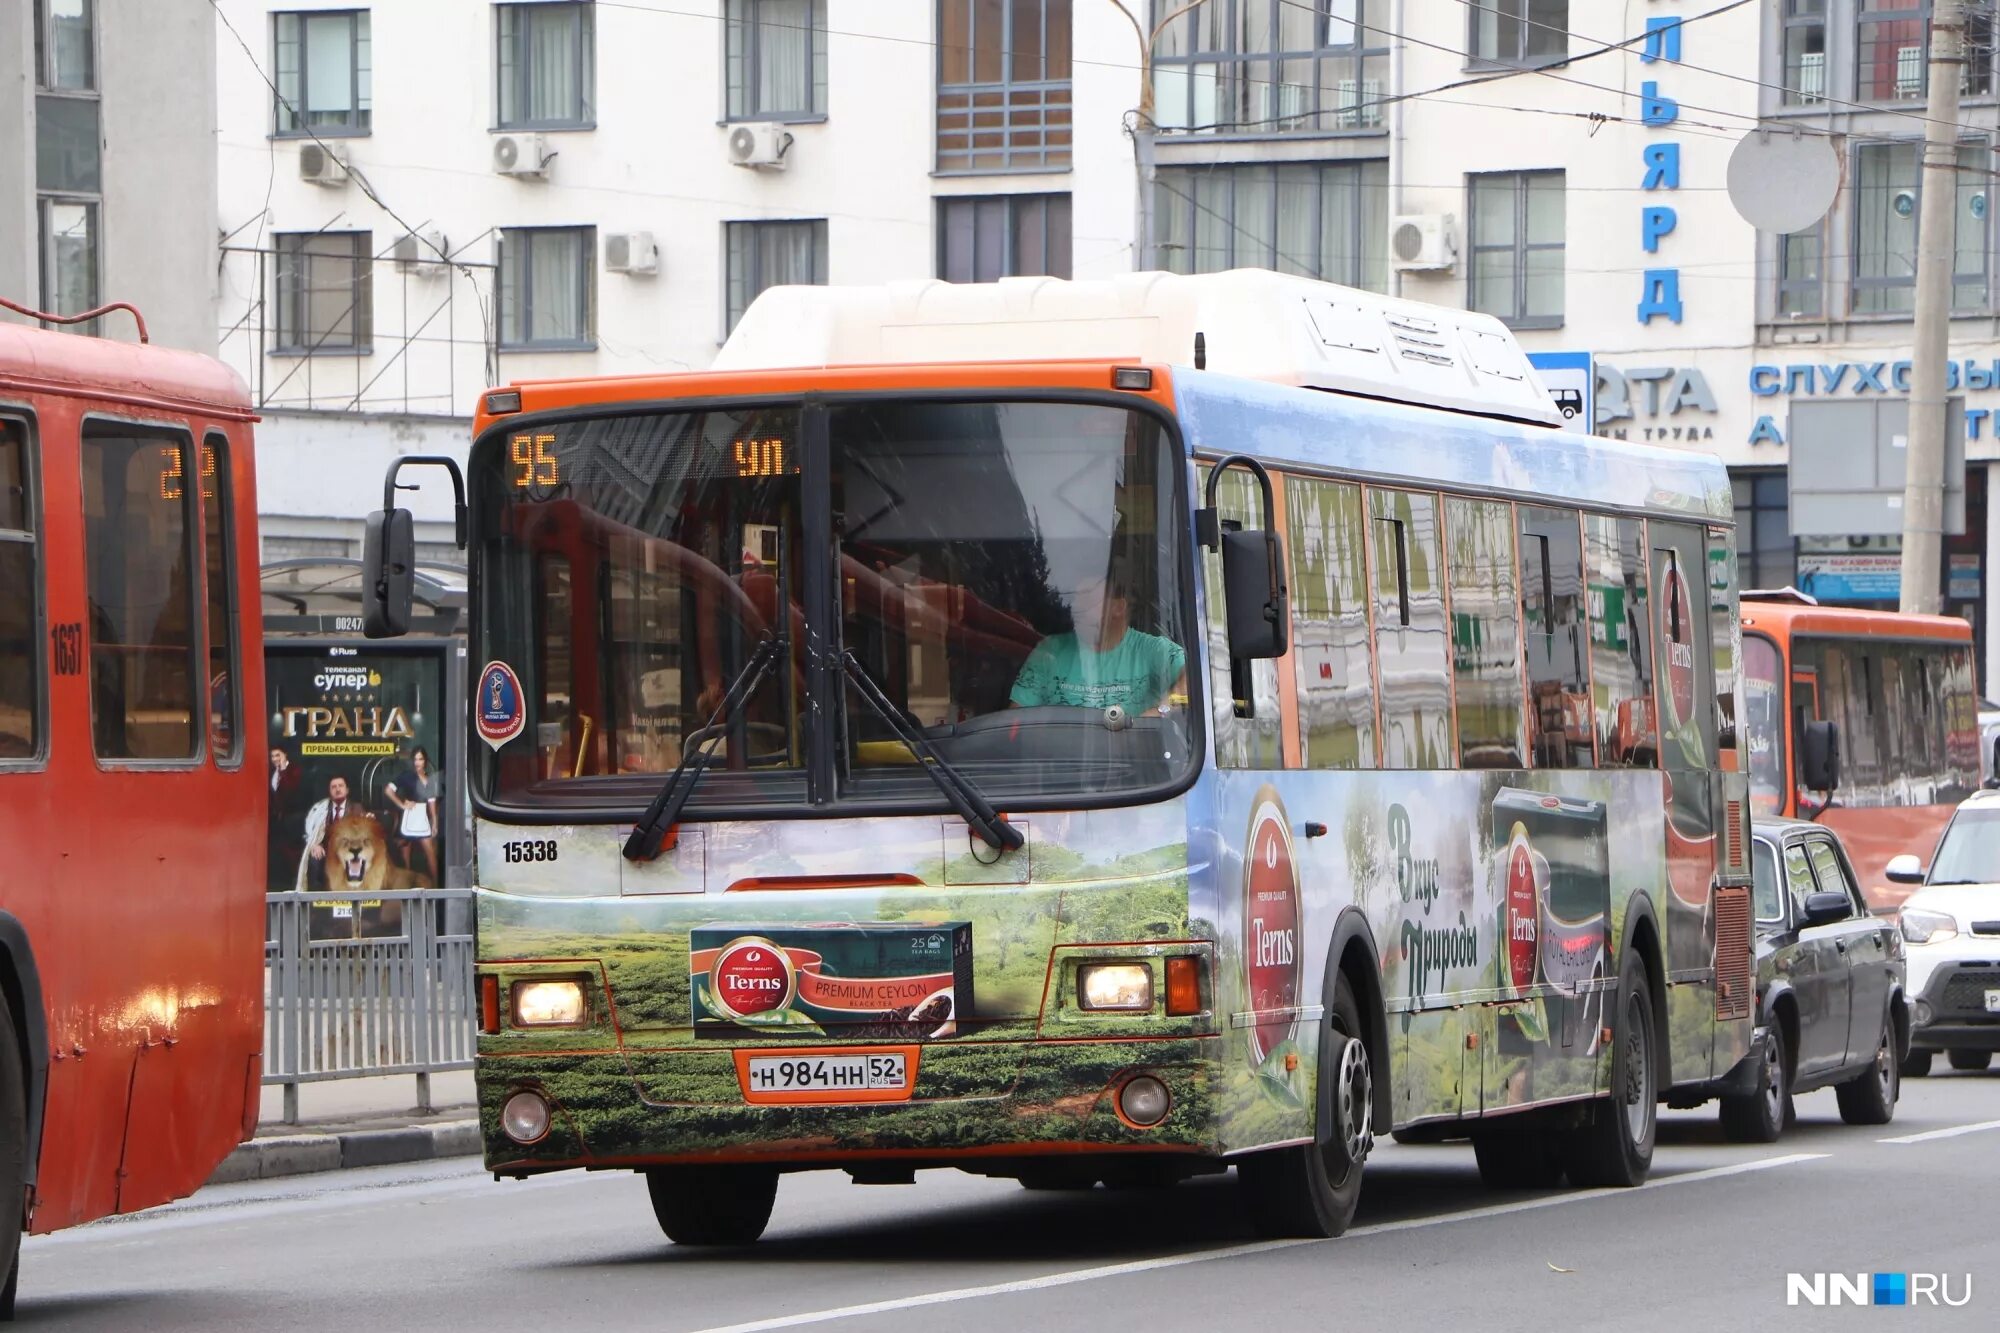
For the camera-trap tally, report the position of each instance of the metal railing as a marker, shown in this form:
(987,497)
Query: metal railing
(359,984)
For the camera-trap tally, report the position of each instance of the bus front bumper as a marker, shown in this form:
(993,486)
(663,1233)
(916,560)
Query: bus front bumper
(969,1101)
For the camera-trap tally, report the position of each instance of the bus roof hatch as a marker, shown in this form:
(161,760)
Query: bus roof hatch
(1255,323)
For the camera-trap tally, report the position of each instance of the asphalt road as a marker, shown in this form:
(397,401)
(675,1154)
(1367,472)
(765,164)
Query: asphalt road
(1707,1243)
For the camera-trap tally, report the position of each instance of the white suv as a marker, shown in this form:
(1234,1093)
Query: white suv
(1952,928)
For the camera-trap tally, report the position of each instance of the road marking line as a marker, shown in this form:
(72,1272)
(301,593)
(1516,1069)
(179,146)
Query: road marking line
(1951,1133)
(1237,1251)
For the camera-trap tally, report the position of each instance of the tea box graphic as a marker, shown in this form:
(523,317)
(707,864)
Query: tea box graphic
(1555,912)
(1272,959)
(855,981)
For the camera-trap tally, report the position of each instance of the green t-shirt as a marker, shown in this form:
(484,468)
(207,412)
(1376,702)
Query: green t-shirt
(1135,673)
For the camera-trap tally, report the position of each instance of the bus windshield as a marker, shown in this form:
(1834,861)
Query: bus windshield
(1764,703)
(1011,574)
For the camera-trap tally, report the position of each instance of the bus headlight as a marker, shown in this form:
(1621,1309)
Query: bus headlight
(525,1117)
(548,1004)
(1114,986)
(1921,927)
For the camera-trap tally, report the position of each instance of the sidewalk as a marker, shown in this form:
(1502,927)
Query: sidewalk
(357,1122)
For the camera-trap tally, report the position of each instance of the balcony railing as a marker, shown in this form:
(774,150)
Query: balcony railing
(1003,127)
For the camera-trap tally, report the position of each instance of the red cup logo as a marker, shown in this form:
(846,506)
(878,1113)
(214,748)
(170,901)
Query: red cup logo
(751,976)
(1271,927)
(1523,918)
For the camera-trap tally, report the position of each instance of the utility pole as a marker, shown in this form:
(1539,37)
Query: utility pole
(1145,133)
(1923,481)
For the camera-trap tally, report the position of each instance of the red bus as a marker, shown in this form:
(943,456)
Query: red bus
(1897,692)
(131,776)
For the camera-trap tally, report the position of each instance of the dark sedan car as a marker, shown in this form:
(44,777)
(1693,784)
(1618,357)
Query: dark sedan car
(1830,988)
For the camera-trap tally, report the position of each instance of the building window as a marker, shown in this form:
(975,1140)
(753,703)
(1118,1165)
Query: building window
(21,651)
(69,256)
(1279,67)
(1318,220)
(1886,208)
(546,288)
(1518,32)
(1800,276)
(1517,247)
(986,238)
(1765,556)
(67,157)
(322,60)
(324,292)
(546,67)
(1003,99)
(65,45)
(775,59)
(1802,37)
(1892,48)
(772,254)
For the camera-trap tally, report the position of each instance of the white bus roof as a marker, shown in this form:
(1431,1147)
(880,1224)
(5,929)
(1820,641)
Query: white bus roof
(1254,323)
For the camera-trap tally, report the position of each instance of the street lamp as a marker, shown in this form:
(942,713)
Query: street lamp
(1144,130)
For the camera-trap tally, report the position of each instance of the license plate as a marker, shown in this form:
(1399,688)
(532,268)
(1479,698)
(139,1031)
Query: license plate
(1993,1002)
(813,1076)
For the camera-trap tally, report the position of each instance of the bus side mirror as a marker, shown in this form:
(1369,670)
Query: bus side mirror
(1256,609)
(1819,756)
(388,573)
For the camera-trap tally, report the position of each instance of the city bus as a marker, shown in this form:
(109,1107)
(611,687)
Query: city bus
(131,778)
(1096,732)
(1890,696)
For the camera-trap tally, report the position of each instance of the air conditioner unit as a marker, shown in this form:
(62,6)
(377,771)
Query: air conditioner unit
(759,145)
(521,155)
(632,252)
(320,166)
(1422,241)
(424,254)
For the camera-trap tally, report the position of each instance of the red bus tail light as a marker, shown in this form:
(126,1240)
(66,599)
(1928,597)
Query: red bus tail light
(489,1003)
(1183,987)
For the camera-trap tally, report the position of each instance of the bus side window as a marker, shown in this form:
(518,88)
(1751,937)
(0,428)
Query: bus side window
(218,514)
(1685,679)
(1551,546)
(139,554)
(1243,697)
(1621,653)
(21,652)
(1412,646)
(1485,633)
(1725,632)
(1329,588)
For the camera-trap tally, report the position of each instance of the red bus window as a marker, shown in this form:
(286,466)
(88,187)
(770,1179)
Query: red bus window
(20,593)
(138,498)
(220,558)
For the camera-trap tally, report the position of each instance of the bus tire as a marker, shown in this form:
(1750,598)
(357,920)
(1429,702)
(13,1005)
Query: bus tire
(1869,1098)
(13,1155)
(1312,1189)
(712,1205)
(1532,1160)
(1760,1116)
(1615,1147)
(1969,1061)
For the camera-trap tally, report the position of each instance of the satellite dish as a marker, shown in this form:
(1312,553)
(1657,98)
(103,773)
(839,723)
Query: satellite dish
(1783,182)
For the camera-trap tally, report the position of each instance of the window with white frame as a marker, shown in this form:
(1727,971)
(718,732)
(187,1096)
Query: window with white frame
(1270,66)
(1888,200)
(545,67)
(1003,99)
(1518,32)
(325,292)
(774,57)
(547,282)
(1801,276)
(1802,43)
(322,59)
(66,45)
(983,238)
(1325,220)
(1892,48)
(1517,229)
(771,254)
(69,167)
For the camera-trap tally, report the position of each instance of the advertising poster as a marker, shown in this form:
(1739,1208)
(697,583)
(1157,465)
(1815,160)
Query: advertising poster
(358,797)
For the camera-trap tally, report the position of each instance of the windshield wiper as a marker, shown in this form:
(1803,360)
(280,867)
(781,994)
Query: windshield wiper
(965,798)
(644,844)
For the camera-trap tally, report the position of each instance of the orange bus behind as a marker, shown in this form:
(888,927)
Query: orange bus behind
(131,778)
(1899,692)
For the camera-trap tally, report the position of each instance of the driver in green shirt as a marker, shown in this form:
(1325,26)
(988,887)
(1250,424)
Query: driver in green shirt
(1104,661)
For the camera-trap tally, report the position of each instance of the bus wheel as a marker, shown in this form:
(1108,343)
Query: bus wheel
(712,1205)
(1616,1147)
(1760,1116)
(13,1156)
(1519,1161)
(1311,1189)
